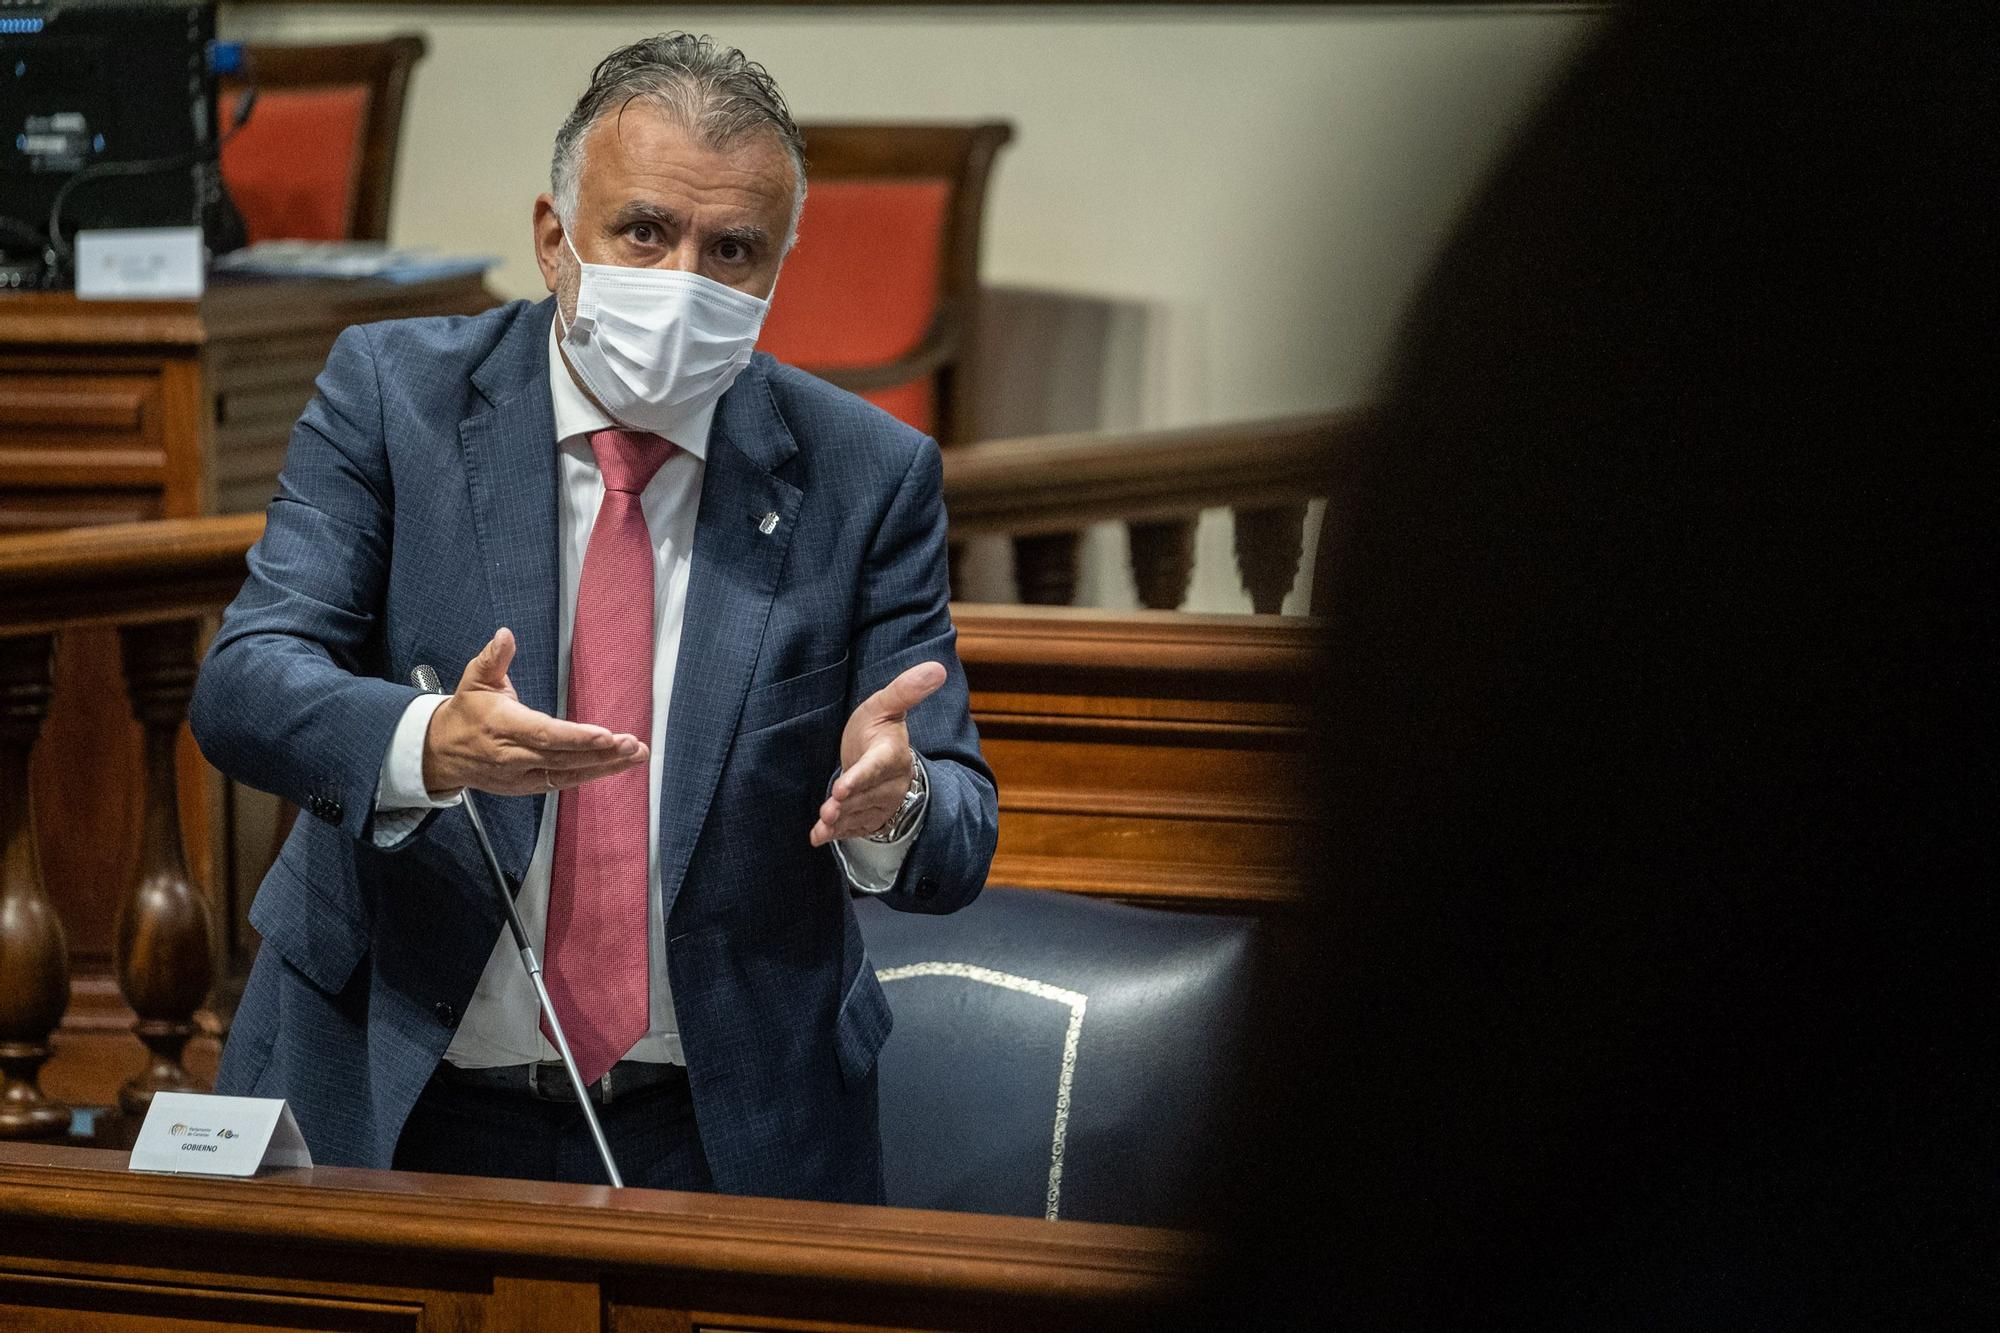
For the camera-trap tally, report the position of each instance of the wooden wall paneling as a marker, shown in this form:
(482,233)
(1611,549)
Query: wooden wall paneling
(188,488)
(1149,756)
(83,438)
(259,388)
(82,427)
(121,1278)
(24,509)
(1199,812)
(629,1319)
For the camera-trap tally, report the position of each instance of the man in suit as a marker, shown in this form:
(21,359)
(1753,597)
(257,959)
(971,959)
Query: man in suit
(708,676)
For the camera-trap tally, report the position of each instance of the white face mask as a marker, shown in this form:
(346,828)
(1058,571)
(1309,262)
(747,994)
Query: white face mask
(653,344)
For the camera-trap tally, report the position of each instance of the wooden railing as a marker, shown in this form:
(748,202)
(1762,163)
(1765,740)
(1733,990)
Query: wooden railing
(1145,756)
(155,582)
(1042,491)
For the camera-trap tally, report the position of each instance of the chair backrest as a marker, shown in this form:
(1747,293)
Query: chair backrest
(317,159)
(882,294)
(1055,1056)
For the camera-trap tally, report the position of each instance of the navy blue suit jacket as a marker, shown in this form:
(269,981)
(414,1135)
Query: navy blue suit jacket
(416,513)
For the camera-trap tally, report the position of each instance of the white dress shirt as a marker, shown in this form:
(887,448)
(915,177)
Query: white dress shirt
(502,1024)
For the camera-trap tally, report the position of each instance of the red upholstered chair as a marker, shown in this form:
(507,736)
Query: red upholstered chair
(317,160)
(882,294)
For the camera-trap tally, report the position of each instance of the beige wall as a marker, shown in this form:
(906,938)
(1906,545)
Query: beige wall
(1208,214)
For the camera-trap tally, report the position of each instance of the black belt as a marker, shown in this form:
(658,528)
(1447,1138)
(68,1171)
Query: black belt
(548,1081)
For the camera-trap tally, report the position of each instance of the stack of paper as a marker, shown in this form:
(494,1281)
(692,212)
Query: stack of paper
(347,259)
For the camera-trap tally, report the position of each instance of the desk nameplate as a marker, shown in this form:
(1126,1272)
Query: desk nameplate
(198,1134)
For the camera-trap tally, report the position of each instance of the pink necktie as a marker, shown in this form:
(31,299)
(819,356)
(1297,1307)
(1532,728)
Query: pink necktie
(597,927)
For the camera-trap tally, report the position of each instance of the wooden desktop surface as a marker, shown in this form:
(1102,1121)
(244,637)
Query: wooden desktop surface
(83,1240)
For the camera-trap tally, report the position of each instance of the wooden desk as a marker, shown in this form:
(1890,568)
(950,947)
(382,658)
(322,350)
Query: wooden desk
(117,410)
(84,1243)
(112,411)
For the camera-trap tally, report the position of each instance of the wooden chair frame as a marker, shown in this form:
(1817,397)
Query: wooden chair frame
(384,67)
(962,155)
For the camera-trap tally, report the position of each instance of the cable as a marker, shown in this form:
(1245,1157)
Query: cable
(61,249)
(104,171)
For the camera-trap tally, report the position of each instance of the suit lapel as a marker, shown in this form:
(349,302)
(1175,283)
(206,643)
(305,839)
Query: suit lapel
(511,472)
(732,579)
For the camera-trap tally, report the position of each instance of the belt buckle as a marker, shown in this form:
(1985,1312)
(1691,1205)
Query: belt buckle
(558,1089)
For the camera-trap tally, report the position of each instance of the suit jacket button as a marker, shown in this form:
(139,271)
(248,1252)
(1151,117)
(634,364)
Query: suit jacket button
(445,1014)
(926,887)
(333,812)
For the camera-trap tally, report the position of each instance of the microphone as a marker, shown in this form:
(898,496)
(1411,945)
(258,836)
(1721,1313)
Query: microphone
(425,679)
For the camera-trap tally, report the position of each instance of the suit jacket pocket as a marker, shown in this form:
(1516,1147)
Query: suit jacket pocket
(794,696)
(862,1025)
(321,942)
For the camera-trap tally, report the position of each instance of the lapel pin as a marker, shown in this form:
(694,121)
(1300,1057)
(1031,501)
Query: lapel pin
(769,524)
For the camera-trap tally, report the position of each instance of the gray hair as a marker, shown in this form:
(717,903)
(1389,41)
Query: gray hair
(715,93)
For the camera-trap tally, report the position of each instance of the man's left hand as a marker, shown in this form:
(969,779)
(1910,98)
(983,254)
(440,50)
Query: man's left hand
(875,758)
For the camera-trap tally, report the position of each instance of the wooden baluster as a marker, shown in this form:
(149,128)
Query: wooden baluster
(34,957)
(165,958)
(1162,561)
(1268,544)
(1045,568)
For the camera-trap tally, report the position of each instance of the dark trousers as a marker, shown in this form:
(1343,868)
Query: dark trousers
(465,1131)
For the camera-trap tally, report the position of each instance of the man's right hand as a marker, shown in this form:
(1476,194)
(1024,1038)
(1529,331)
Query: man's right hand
(484,738)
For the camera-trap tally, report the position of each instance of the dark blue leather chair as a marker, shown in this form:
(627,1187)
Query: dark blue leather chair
(1055,1056)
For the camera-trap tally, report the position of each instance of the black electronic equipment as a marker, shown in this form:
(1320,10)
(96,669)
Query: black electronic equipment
(107,119)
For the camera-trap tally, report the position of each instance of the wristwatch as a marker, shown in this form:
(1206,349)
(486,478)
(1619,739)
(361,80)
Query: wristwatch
(911,809)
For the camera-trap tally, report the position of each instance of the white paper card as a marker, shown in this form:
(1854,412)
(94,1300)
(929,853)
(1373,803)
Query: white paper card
(139,263)
(204,1135)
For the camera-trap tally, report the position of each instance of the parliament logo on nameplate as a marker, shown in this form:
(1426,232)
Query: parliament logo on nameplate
(205,1135)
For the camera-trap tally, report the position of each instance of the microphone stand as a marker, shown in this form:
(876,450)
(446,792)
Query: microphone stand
(424,678)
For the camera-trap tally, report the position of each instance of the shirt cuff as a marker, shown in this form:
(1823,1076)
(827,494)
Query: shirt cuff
(401,787)
(872,867)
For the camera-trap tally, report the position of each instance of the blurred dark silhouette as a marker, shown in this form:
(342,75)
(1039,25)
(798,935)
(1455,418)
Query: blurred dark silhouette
(1651,975)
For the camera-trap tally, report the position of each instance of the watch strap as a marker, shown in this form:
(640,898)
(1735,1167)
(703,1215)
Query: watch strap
(912,808)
